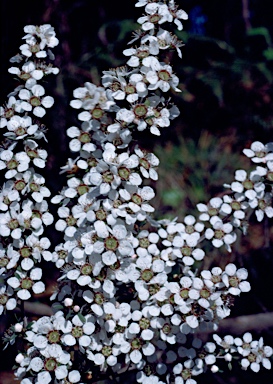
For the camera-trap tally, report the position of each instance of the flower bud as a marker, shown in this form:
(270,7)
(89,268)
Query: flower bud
(19,358)
(228,357)
(214,368)
(68,302)
(18,327)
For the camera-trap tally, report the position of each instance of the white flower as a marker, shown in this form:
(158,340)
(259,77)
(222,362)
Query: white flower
(6,300)
(13,163)
(9,224)
(258,152)
(9,110)
(24,282)
(81,139)
(221,234)
(159,75)
(35,100)
(29,70)
(234,279)
(19,127)
(251,185)
(209,210)
(38,156)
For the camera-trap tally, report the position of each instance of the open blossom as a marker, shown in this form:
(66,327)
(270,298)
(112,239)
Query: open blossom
(159,75)
(37,39)
(234,279)
(24,282)
(29,70)
(14,163)
(20,127)
(259,153)
(34,100)
(221,233)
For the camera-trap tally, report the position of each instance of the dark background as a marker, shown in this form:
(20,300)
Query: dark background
(226,77)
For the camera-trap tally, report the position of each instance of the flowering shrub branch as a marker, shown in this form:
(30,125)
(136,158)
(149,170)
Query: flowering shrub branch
(129,295)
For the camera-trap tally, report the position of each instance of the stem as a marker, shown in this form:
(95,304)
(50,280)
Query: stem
(246,14)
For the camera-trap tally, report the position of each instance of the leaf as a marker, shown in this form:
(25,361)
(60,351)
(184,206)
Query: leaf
(82,318)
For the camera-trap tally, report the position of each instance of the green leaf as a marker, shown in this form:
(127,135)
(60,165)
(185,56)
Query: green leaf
(82,318)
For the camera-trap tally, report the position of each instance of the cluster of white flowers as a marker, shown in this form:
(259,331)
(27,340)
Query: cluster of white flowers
(253,353)
(23,206)
(129,293)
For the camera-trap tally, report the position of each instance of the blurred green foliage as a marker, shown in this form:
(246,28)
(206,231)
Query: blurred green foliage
(191,172)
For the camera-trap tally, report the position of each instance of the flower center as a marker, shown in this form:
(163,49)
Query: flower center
(19,185)
(13,224)
(247,184)
(71,221)
(136,199)
(25,252)
(82,189)
(189,229)
(147,275)
(3,299)
(86,269)
(32,154)
(136,343)
(186,250)
(251,357)
(212,211)
(24,76)
(9,113)
(62,254)
(154,18)
(144,242)
(142,54)
(35,101)
(219,234)
(84,137)
(216,279)
(97,113)
(99,298)
(107,177)
(12,164)
(106,350)
(140,110)
(269,176)
(234,281)
(101,214)
(53,336)
(26,283)
(166,328)
(205,293)
(4,261)
(262,204)
(186,374)
(20,131)
(111,243)
(235,205)
(77,331)
(50,364)
(164,75)
(153,289)
(34,187)
(144,323)
(184,293)
(124,173)
(34,48)
(144,163)
(129,89)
